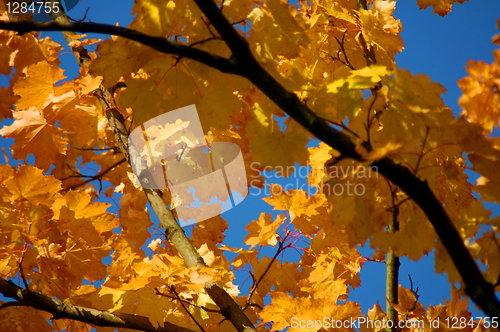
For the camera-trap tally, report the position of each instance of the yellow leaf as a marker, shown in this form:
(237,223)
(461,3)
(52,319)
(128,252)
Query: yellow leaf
(82,125)
(87,221)
(318,157)
(293,34)
(89,83)
(480,100)
(29,183)
(486,249)
(5,53)
(364,78)
(302,314)
(263,231)
(378,153)
(7,100)
(441,7)
(35,136)
(415,93)
(135,223)
(38,85)
(381,28)
(287,148)
(116,51)
(206,254)
(457,307)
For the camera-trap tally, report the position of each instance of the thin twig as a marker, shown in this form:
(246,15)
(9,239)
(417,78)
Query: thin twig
(172,288)
(16,304)
(204,41)
(23,277)
(341,125)
(96,177)
(186,301)
(368,118)
(346,61)
(115,149)
(423,147)
(257,283)
(414,292)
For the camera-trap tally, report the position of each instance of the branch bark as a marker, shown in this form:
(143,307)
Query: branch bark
(392,271)
(158,43)
(244,63)
(64,309)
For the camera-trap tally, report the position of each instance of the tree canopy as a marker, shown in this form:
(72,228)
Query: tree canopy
(270,77)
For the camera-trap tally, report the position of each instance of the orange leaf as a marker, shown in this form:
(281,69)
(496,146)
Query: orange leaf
(39,85)
(35,136)
(263,231)
(29,183)
(441,7)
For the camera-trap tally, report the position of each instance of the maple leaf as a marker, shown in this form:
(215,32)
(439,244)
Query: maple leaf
(318,157)
(7,100)
(485,248)
(29,183)
(292,28)
(479,101)
(288,147)
(5,53)
(81,124)
(407,303)
(456,306)
(116,50)
(414,238)
(440,7)
(423,96)
(285,311)
(38,85)
(375,315)
(263,231)
(34,135)
(297,202)
(88,222)
(361,79)
(381,28)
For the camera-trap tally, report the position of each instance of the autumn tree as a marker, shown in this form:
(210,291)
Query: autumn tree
(267,76)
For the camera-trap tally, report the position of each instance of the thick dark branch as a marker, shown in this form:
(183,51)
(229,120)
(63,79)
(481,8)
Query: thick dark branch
(158,43)
(234,40)
(480,291)
(289,102)
(63,309)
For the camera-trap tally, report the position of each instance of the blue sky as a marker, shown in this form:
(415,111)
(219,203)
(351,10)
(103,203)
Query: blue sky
(435,46)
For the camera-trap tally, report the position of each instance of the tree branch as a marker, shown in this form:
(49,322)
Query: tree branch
(63,309)
(392,267)
(158,43)
(91,178)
